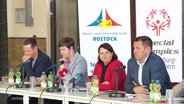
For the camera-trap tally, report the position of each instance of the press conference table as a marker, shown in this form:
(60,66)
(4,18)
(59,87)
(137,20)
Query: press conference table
(75,96)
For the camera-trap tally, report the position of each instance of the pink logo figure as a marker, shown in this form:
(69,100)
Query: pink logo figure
(158,20)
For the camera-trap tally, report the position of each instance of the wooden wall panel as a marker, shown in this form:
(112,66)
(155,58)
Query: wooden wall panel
(15,50)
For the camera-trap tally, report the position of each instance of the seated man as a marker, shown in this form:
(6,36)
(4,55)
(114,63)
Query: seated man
(144,67)
(39,63)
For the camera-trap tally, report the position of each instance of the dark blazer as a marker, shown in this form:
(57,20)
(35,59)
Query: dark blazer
(41,64)
(153,69)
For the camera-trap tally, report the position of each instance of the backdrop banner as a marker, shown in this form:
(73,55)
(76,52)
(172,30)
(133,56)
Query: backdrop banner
(161,20)
(104,21)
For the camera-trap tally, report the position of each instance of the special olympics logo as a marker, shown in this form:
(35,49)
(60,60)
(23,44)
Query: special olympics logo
(158,20)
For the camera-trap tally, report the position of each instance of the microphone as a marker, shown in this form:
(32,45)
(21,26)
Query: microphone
(77,76)
(62,73)
(27,61)
(53,66)
(23,85)
(120,68)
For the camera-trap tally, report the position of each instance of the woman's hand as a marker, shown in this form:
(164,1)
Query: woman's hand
(62,65)
(105,82)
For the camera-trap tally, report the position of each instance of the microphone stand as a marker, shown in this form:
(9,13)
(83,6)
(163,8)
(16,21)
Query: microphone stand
(54,88)
(116,94)
(73,86)
(22,85)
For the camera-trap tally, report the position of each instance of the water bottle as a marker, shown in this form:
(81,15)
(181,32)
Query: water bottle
(94,86)
(151,95)
(18,75)
(50,79)
(11,76)
(157,95)
(43,81)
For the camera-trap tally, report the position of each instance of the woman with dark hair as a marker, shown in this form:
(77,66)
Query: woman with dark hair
(104,69)
(73,62)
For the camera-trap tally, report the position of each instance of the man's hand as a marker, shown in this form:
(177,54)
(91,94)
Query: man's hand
(140,90)
(25,58)
(4,79)
(38,80)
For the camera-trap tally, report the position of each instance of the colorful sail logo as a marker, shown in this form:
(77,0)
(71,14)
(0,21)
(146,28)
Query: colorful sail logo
(104,23)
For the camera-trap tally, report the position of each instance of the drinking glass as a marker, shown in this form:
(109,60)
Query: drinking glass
(169,96)
(32,81)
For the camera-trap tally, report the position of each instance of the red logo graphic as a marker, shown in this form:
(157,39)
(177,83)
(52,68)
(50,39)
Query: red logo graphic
(158,20)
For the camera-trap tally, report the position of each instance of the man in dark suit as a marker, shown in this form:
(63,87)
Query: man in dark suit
(144,67)
(38,62)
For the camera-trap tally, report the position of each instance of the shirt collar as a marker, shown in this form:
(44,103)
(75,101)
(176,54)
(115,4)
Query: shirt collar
(33,61)
(142,62)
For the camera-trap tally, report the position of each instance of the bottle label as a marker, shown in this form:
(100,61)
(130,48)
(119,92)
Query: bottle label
(94,91)
(10,81)
(18,81)
(157,96)
(151,95)
(43,85)
(49,84)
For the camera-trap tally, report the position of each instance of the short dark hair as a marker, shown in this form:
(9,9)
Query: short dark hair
(32,41)
(146,41)
(108,47)
(67,42)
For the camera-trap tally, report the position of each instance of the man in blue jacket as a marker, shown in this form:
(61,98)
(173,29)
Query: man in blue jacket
(34,62)
(144,67)
(40,61)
